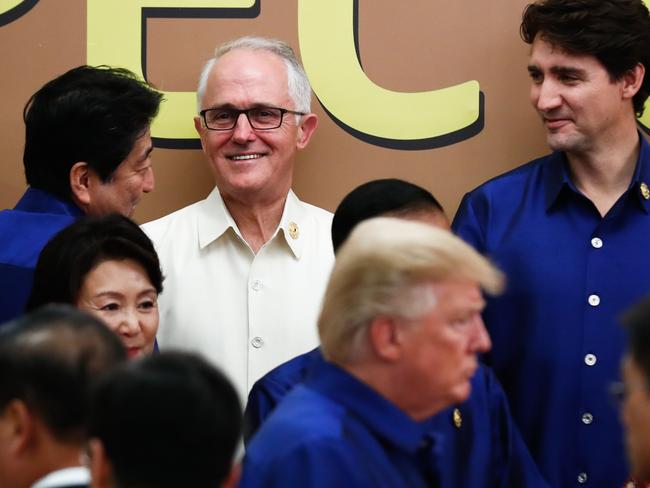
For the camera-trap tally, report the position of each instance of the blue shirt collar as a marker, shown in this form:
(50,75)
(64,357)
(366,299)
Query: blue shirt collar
(380,415)
(41,201)
(556,176)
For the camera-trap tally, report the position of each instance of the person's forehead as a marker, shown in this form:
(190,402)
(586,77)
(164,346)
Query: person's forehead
(249,71)
(552,55)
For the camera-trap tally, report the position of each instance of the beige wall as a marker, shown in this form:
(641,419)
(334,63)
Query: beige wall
(422,46)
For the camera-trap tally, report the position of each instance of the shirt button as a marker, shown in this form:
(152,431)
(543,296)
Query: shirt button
(257,342)
(582,478)
(587,418)
(256,285)
(594,300)
(590,359)
(597,242)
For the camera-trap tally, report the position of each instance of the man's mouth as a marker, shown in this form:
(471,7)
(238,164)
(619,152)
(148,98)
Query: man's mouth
(244,157)
(553,124)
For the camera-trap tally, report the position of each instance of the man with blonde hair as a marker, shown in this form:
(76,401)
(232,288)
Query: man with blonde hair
(400,329)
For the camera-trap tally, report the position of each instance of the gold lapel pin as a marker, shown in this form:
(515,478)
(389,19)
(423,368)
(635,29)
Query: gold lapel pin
(458,418)
(294,232)
(645,191)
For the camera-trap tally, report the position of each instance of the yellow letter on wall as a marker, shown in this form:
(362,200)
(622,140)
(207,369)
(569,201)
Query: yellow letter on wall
(115,29)
(419,120)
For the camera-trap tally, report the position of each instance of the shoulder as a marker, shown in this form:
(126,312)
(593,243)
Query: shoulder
(300,444)
(513,179)
(320,215)
(177,221)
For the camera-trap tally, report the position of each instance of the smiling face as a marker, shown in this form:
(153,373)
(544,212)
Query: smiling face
(251,164)
(440,349)
(120,294)
(578,102)
(122,192)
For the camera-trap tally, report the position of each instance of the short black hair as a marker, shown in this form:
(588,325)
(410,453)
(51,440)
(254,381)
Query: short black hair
(379,197)
(167,420)
(637,322)
(71,254)
(616,32)
(49,359)
(89,114)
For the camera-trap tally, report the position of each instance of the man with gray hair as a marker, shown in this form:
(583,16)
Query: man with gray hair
(400,330)
(246,267)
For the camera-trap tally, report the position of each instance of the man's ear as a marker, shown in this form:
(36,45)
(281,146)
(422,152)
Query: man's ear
(80,184)
(200,130)
(17,427)
(385,338)
(100,466)
(632,80)
(306,128)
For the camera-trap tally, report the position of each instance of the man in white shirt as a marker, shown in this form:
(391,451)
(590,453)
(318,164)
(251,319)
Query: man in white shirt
(48,360)
(246,268)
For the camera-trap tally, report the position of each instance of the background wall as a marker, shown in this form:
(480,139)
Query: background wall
(419,45)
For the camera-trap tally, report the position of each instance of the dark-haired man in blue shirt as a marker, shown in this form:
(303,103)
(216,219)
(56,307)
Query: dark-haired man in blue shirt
(569,231)
(87,152)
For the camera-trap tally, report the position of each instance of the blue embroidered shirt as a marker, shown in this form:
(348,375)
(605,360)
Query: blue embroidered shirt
(24,231)
(478,443)
(556,342)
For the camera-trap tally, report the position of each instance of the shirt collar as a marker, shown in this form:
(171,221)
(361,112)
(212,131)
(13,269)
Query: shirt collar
(77,475)
(556,176)
(41,201)
(380,415)
(640,184)
(215,219)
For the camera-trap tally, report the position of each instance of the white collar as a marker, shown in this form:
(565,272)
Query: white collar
(214,220)
(77,475)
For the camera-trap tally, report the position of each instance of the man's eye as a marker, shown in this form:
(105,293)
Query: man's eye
(568,79)
(535,77)
(222,115)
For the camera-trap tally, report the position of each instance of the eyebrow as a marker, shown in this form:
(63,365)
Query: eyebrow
(117,294)
(230,106)
(558,70)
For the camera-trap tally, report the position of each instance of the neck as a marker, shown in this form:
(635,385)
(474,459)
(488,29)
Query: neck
(387,380)
(55,458)
(257,220)
(603,173)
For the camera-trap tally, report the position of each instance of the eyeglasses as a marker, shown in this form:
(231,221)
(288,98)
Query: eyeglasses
(260,118)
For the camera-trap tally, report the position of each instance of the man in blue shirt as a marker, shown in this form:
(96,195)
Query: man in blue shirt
(87,151)
(569,231)
(482,448)
(400,330)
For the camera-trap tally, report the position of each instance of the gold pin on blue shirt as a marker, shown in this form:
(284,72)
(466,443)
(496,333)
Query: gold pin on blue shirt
(645,191)
(458,418)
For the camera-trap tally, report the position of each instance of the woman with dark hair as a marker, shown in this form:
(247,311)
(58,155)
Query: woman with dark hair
(108,267)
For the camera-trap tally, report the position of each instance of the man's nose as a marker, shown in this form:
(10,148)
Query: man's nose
(243,131)
(546,96)
(482,342)
(149,181)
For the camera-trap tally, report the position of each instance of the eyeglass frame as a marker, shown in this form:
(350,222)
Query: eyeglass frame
(245,112)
